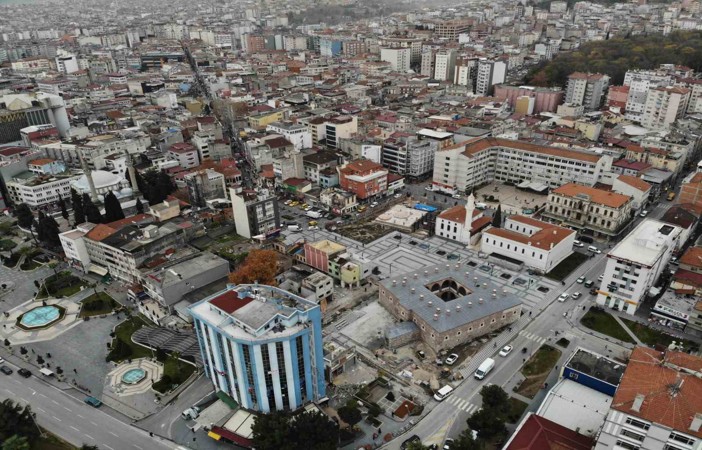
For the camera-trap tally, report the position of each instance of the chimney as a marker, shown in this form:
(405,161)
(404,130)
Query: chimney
(470,304)
(480,300)
(412,290)
(436,317)
(89,177)
(132,174)
(696,423)
(638,401)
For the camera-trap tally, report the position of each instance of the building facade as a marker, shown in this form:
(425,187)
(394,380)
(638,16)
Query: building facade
(255,213)
(587,89)
(262,346)
(364,178)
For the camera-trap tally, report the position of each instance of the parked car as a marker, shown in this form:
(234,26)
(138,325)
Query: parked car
(643,213)
(576,295)
(589,283)
(563,297)
(580,280)
(413,438)
(456,196)
(578,244)
(448,443)
(397,195)
(451,359)
(92,401)
(506,350)
(600,277)
(6,370)
(24,373)
(428,188)
(594,249)
(374,204)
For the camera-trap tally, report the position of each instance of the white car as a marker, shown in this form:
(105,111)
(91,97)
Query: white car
(313,228)
(374,204)
(451,359)
(578,244)
(576,295)
(456,196)
(397,195)
(580,280)
(428,188)
(644,213)
(600,277)
(594,249)
(563,297)
(506,350)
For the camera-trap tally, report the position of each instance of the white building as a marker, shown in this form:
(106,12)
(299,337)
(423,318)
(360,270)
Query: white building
(38,190)
(539,245)
(635,264)
(634,187)
(409,157)
(490,73)
(452,223)
(297,134)
(640,82)
(67,64)
(399,58)
(339,127)
(587,89)
(664,105)
(104,182)
(74,246)
(444,65)
(254,213)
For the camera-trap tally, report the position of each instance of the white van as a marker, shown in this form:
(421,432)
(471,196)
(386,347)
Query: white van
(481,205)
(443,393)
(294,228)
(314,214)
(484,369)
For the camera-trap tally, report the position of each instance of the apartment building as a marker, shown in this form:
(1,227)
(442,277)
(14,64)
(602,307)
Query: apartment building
(37,190)
(363,178)
(635,264)
(450,29)
(665,105)
(587,89)
(339,127)
(461,166)
(539,245)
(445,64)
(602,213)
(262,346)
(297,134)
(640,82)
(186,155)
(490,73)
(408,156)
(255,213)
(399,58)
(316,163)
(414,44)
(338,262)
(641,414)
(691,190)
(545,99)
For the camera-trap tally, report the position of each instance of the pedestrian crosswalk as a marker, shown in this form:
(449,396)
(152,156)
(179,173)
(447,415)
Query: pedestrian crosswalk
(531,336)
(462,404)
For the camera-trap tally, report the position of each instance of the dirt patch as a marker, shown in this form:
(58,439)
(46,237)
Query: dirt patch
(364,232)
(405,408)
(536,370)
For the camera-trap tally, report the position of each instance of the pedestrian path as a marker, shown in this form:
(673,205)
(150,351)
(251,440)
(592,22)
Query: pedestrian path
(628,331)
(531,336)
(462,404)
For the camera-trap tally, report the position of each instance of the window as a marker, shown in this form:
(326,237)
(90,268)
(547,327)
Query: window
(671,447)
(632,435)
(682,438)
(627,445)
(637,423)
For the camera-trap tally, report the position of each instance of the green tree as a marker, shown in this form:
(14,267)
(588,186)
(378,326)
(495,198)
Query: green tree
(466,442)
(487,424)
(113,209)
(272,431)
(16,419)
(62,205)
(78,210)
(92,213)
(89,447)
(497,218)
(282,431)
(16,442)
(24,216)
(417,446)
(495,399)
(350,413)
(50,231)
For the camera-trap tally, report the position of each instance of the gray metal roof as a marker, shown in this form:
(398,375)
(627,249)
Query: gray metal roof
(453,313)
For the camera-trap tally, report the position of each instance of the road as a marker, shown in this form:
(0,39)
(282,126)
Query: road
(448,418)
(73,420)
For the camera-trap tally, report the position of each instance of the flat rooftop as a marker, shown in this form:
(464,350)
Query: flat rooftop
(597,366)
(456,293)
(576,407)
(646,243)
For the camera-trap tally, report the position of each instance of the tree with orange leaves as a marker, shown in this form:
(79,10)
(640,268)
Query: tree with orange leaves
(259,266)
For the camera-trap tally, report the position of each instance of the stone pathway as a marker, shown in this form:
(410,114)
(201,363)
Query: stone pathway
(628,331)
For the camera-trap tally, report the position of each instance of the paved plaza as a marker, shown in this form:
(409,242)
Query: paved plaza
(18,335)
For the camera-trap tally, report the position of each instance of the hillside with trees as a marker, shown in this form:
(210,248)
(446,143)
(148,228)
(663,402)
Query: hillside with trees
(615,56)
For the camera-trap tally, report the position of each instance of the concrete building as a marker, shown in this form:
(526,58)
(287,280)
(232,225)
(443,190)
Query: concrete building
(255,213)
(462,166)
(408,156)
(445,64)
(399,58)
(587,89)
(640,82)
(448,305)
(490,73)
(664,105)
(414,44)
(635,264)
(654,384)
(39,190)
(592,210)
(204,185)
(337,261)
(538,245)
(262,346)
(452,223)
(186,155)
(691,190)
(316,163)
(339,127)
(363,178)
(634,187)
(297,134)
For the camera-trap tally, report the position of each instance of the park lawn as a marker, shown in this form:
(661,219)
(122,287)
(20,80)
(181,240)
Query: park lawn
(74,285)
(536,370)
(97,305)
(51,442)
(12,260)
(7,244)
(563,342)
(652,337)
(176,371)
(516,409)
(125,330)
(603,322)
(29,264)
(568,265)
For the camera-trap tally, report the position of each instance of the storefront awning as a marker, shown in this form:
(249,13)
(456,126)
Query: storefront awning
(97,269)
(214,436)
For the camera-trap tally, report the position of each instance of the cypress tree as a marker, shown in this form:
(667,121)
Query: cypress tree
(139,206)
(113,209)
(78,209)
(92,213)
(497,218)
(62,204)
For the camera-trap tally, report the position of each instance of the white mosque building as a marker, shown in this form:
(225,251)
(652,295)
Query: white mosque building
(104,182)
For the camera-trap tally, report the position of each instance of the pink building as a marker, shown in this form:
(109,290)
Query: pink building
(545,99)
(617,97)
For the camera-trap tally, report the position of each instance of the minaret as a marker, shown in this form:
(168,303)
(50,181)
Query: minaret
(132,174)
(89,177)
(470,207)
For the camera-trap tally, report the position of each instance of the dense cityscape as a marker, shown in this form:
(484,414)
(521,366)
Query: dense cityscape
(351,224)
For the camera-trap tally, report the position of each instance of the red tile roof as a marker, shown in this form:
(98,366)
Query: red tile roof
(457,214)
(547,235)
(539,433)
(606,198)
(670,389)
(634,182)
(692,257)
(485,143)
(229,301)
(100,232)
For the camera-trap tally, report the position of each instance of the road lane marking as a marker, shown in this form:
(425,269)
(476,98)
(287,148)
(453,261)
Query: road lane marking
(113,434)
(67,409)
(89,437)
(80,416)
(56,418)
(94,423)
(54,402)
(107,446)
(75,428)
(39,409)
(137,447)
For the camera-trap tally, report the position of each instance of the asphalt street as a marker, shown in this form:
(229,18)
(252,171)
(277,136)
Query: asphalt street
(73,420)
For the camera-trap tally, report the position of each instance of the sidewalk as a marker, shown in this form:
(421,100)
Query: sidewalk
(628,331)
